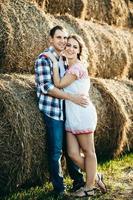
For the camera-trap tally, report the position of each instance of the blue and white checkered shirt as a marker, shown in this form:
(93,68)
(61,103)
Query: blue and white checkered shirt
(51,106)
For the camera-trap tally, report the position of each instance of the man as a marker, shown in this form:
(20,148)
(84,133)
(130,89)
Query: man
(51,105)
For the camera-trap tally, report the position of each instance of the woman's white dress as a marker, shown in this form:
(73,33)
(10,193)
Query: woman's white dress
(80,120)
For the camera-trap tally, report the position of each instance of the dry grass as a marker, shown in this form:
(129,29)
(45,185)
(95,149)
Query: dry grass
(110,52)
(110,12)
(76,8)
(113,122)
(23,35)
(24,30)
(72,7)
(123,91)
(22,134)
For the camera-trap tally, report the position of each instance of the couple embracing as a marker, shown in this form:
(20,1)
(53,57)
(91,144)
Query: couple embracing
(70,117)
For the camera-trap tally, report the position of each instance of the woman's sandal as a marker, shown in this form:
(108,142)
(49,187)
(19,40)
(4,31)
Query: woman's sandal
(82,192)
(100,183)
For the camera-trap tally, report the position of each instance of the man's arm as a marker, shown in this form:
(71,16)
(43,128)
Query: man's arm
(66,80)
(81,100)
(46,85)
(43,74)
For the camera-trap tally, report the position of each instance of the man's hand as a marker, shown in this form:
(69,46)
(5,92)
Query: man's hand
(81,99)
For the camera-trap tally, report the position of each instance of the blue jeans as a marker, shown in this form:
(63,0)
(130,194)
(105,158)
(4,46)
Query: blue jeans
(56,143)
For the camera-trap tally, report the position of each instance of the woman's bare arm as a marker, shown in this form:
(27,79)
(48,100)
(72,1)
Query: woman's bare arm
(65,80)
(62,82)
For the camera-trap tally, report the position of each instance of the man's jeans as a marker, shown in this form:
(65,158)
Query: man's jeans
(56,142)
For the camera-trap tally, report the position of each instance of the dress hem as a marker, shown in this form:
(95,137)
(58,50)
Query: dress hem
(80,132)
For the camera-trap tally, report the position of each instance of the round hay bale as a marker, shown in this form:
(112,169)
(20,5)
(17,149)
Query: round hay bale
(22,135)
(109,49)
(113,122)
(75,8)
(110,11)
(122,90)
(23,35)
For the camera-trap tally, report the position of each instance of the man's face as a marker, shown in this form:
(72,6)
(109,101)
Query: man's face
(59,40)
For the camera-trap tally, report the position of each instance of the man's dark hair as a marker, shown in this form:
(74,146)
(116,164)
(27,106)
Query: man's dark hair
(54,29)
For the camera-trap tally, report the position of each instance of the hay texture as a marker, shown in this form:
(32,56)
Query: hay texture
(113,122)
(72,7)
(112,12)
(122,90)
(23,35)
(39,3)
(24,32)
(75,8)
(22,135)
(23,150)
(110,52)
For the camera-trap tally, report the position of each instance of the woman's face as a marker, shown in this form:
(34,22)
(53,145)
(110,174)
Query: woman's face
(72,49)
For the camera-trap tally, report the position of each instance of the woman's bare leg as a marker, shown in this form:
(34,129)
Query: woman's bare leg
(73,149)
(86,142)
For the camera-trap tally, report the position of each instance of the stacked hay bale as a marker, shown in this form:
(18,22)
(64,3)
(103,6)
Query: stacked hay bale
(22,135)
(110,12)
(115,116)
(123,91)
(110,52)
(23,35)
(73,7)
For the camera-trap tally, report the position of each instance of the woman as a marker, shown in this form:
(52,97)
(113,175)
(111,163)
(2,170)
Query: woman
(80,121)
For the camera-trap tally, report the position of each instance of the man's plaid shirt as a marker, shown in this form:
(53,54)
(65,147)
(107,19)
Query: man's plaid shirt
(49,105)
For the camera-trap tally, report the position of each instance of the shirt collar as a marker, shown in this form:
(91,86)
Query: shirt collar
(52,50)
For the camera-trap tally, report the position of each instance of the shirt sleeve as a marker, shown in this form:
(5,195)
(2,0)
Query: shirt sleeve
(76,70)
(43,75)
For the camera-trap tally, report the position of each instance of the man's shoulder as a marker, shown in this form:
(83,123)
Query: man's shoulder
(42,55)
(43,60)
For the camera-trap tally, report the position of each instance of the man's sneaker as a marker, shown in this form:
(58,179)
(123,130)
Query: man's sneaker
(77,186)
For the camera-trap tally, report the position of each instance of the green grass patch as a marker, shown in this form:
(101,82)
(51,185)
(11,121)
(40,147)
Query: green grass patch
(118,175)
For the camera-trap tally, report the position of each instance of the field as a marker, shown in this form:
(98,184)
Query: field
(118,176)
